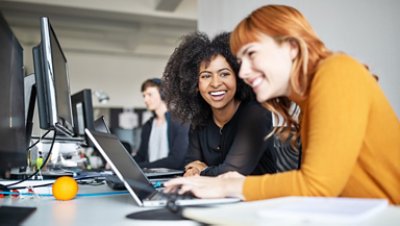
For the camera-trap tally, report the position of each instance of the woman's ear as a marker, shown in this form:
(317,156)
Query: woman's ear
(294,48)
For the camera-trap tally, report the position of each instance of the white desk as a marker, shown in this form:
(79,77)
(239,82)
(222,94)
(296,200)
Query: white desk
(112,210)
(99,210)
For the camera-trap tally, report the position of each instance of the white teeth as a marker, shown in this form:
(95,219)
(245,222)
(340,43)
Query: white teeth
(217,93)
(256,82)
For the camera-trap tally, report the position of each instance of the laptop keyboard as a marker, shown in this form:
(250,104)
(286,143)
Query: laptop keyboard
(161,172)
(159,195)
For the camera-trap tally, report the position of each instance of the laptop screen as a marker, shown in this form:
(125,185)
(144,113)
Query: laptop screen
(123,162)
(101,126)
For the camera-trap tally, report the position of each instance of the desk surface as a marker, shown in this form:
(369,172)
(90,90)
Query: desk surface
(112,210)
(95,210)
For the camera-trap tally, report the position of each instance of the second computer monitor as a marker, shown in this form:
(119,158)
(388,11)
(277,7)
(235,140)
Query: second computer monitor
(12,110)
(52,82)
(82,108)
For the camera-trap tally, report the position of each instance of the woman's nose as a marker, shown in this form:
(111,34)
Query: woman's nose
(215,81)
(244,70)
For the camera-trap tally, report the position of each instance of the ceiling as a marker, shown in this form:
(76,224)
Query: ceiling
(133,27)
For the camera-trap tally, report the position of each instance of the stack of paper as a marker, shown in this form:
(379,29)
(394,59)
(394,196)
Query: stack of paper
(296,210)
(325,210)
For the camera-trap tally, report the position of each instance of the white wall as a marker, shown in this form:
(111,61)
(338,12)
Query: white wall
(119,76)
(110,45)
(366,29)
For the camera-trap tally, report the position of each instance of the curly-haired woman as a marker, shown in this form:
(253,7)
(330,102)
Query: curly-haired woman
(203,87)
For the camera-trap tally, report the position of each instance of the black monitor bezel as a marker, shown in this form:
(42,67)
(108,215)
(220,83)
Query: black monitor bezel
(13,135)
(84,98)
(49,116)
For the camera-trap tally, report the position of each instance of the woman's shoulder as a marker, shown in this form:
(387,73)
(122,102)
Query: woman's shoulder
(341,67)
(340,61)
(253,105)
(253,109)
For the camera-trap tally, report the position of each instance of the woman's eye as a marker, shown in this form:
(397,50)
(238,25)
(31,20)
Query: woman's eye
(251,54)
(204,76)
(224,74)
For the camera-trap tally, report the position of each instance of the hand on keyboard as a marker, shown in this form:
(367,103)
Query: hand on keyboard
(176,195)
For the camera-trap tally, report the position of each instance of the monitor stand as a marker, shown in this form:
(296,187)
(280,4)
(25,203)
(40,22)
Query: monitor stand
(157,214)
(171,212)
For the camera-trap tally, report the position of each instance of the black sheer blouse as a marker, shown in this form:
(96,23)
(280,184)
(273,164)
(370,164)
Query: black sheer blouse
(239,146)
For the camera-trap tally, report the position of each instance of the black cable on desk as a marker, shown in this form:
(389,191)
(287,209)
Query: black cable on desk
(47,184)
(37,170)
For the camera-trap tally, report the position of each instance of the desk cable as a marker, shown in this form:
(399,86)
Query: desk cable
(8,187)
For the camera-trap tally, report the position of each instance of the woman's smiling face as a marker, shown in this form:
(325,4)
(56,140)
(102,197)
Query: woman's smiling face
(217,82)
(266,66)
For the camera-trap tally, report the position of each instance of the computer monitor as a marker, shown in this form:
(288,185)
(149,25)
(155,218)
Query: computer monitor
(12,108)
(52,82)
(30,101)
(82,110)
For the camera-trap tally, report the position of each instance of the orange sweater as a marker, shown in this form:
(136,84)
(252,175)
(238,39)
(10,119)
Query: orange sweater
(350,137)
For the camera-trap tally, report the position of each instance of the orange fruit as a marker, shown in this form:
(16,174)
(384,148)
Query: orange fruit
(65,188)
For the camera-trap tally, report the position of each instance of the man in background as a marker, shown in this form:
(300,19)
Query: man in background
(164,139)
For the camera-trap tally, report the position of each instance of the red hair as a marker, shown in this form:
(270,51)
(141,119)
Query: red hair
(284,24)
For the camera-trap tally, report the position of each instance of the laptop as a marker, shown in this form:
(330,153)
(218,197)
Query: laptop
(100,125)
(135,181)
(151,173)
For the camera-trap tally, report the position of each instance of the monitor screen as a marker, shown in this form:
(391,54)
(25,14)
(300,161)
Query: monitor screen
(82,110)
(30,100)
(12,106)
(52,82)
(29,87)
